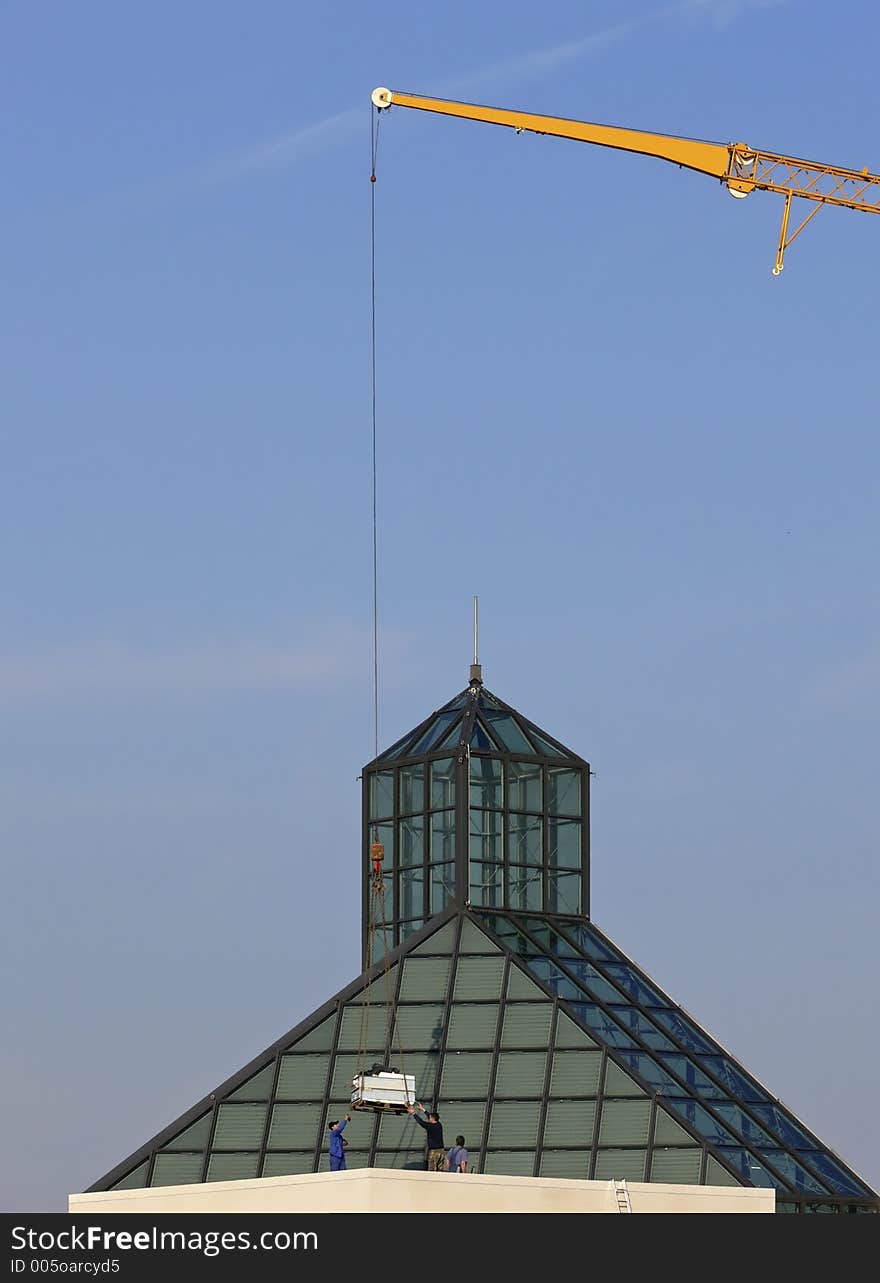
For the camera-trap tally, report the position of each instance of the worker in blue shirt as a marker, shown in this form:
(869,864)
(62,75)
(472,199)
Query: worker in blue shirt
(337,1153)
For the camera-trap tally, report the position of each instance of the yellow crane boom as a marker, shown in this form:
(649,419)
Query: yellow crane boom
(740,168)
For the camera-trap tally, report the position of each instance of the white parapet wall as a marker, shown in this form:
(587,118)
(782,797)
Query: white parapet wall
(376,1189)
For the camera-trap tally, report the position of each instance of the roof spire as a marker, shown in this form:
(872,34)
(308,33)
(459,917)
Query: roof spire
(476,666)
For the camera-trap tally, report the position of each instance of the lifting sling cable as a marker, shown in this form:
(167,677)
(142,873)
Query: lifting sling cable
(376,919)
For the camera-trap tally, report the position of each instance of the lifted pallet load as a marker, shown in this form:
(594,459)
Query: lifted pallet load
(383,1091)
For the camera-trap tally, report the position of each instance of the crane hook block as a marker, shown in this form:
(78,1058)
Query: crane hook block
(377,855)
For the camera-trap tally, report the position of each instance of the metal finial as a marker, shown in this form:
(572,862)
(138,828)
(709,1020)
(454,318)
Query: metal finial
(476,666)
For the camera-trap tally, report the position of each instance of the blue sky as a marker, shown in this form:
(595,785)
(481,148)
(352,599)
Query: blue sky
(656,464)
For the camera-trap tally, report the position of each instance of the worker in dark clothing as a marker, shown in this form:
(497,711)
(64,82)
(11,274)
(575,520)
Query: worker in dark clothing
(337,1153)
(434,1139)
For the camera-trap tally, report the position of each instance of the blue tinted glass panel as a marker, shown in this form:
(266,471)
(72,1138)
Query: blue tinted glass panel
(564,842)
(836,1176)
(641,1025)
(396,750)
(525,790)
(784,1127)
(699,1083)
(381,795)
(791,1171)
(728,1074)
(597,986)
(487,885)
(506,730)
(564,892)
(703,1122)
(737,1118)
(411,785)
(460,701)
(442,836)
(486,782)
(524,842)
(486,839)
(443,782)
(551,940)
(411,840)
(563,792)
(750,1168)
(590,944)
(634,985)
(602,1024)
(452,739)
(561,984)
(653,1073)
(526,888)
(682,1030)
(480,737)
(507,931)
(434,733)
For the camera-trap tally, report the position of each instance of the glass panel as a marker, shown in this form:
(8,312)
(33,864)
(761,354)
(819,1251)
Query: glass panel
(836,1176)
(472,1024)
(411,893)
(443,782)
(520,1073)
(302,1077)
(700,1119)
(793,1172)
(634,985)
(563,792)
(676,1166)
(363,1026)
(653,1073)
(466,1073)
(425,978)
(590,979)
(526,1024)
(195,1136)
(486,782)
(736,1117)
(434,733)
(396,749)
(561,984)
(419,1027)
(510,1163)
(732,1078)
(409,1160)
(785,1128)
(400,1131)
(295,1125)
(601,1024)
(575,1073)
(526,888)
(619,1083)
(473,940)
(442,836)
(568,1164)
(454,736)
(486,835)
(718,1175)
(239,1127)
(381,794)
(550,939)
(480,737)
(564,838)
(519,986)
(568,1034)
(177,1169)
(669,1132)
(380,942)
(344,1069)
(442,885)
(514,1123)
(525,839)
(479,978)
(564,891)
(544,745)
(620,1165)
(487,885)
(233,1167)
(682,1029)
(633,1019)
(752,1171)
(570,1122)
(411,848)
(423,1066)
(506,730)
(410,928)
(624,1122)
(319,1039)
(257,1088)
(412,789)
(441,941)
(524,786)
(288,1164)
(589,943)
(134,1180)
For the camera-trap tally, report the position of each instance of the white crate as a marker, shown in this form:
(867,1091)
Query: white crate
(385,1090)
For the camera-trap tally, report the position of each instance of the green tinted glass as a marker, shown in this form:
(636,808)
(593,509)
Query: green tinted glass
(487,885)
(624,1122)
(424,978)
(676,1166)
(257,1088)
(381,794)
(526,1024)
(289,1164)
(524,787)
(570,1122)
(520,1073)
(411,840)
(177,1169)
(195,1136)
(411,893)
(411,784)
(443,782)
(572,1164)
(294,1126)
(233,1167)
(564,891)
(466,1073)
(526,889)
(479,978)
(575,1073)
(514,1122)
(525,839)
(419,1027)
(442,885)
(563,792)
(472,1024)
(486,836)
(620,1165)
(442,836)
(240,1127)
(564,844)
(303,1077)
(486,782)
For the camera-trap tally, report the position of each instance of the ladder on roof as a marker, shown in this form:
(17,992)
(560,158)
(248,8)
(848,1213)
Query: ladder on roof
(621,1193)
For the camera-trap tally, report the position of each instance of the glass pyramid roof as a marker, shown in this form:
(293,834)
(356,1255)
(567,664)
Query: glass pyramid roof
(480,719)
(537,1039)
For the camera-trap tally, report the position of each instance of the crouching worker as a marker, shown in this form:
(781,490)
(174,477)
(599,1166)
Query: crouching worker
(337,1151)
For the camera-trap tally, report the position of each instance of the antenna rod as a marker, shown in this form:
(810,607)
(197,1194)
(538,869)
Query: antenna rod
(476,666)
